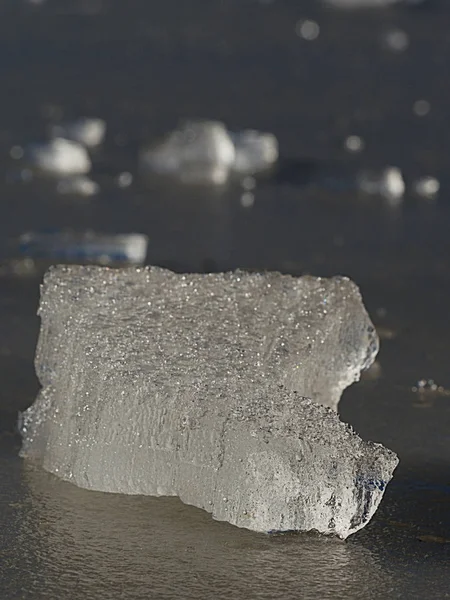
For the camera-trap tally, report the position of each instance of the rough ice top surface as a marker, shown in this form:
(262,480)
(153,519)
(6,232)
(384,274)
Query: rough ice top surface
(164,384)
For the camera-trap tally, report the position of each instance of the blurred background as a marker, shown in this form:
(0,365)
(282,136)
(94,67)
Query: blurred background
(355,182)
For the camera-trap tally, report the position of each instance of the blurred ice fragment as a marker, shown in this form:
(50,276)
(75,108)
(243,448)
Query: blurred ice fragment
(248,183)
(79,185)
(427,187)
(421,108)
(369,3)
(85,130)
(247,199)
(307,29)
(255,151)
(85,247)
(388,183)
(24,267)
(124,179)
(59,157)
(205,152)
(354,143)
(396,40)
(197,152)
(16,152)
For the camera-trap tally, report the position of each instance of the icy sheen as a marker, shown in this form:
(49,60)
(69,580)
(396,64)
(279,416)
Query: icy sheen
(193,385)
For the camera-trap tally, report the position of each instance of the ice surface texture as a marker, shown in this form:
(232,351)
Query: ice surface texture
(164,384)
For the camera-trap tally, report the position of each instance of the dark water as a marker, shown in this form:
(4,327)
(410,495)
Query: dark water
(142,65)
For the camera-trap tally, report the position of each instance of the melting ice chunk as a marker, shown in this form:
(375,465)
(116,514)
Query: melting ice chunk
(84,130)
(58,157)
(164,384)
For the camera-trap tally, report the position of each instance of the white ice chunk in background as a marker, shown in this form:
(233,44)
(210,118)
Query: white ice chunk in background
(199,151)
(354,143)
(206,152)
(87,246)
(395,40)
(255,151)
(427,187)
(387,182)
(163,384)
(88,131)
(58,157)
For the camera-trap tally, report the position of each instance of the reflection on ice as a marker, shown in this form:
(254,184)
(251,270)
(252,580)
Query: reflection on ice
(97,545)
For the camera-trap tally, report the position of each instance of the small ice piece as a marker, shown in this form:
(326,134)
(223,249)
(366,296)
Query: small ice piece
(16,152)
(85,247)
(388,183)
(255,151)
(421,108)
(198,152)
(85,130)
(307,29)
(79,185)
(427,187)
(395,40)
(124,179)
(58,157)
(354,143)
(247,199)
(163,384)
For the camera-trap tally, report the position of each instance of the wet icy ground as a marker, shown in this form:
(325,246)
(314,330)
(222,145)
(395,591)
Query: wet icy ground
(141,67)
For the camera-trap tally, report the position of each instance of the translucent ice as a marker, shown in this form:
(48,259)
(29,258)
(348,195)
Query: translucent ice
(163,384)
